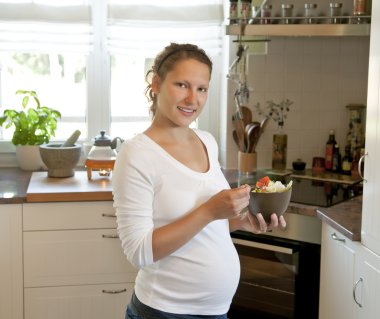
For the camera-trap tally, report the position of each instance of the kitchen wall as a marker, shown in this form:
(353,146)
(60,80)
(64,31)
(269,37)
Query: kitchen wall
(321,75)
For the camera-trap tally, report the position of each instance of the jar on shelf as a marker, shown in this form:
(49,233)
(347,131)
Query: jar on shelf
(266,13)
(310,13)
(286,13)
(335,12)
(233,14)
(359,7)
(245,10)
(359,10)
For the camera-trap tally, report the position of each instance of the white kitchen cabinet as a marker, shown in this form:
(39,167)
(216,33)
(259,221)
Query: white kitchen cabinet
(78,302)
(367,290)
(350,278)
(11,287)
(338,256)
(371,196)
(74,266)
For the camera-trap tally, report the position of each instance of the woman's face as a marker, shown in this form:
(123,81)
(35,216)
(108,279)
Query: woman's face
(182,94)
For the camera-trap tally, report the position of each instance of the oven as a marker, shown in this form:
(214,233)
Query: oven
(279,278)
(280,270)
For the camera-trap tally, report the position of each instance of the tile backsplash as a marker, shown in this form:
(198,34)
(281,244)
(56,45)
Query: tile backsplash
(321,75)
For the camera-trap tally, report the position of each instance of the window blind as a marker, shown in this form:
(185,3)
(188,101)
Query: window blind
(147,26)
(46,26)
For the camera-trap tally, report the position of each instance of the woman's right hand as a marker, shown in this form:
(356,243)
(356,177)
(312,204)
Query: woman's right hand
(228,203)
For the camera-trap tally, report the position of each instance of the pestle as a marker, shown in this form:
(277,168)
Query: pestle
(72,139)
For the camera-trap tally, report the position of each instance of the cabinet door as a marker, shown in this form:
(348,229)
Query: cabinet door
(367,290)
(371,198)
(11,290)
(337,275)
(74,257)
(78,302)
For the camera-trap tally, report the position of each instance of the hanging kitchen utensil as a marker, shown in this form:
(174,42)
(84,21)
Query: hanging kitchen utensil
(254,138)
(236,138)
(247,115)
(239,128)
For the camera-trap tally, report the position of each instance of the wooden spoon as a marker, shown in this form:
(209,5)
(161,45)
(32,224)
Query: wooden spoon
(247,115)
(239,127)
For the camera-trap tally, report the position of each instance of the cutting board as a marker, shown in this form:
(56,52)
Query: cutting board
(70,189)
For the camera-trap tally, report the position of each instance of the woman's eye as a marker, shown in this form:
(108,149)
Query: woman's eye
(181,85)
(204,90)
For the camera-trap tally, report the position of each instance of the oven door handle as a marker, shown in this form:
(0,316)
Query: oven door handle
(254,244)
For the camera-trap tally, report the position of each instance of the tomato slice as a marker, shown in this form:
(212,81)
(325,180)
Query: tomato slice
(263,182)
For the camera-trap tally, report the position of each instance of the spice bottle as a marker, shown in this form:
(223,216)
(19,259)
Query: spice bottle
(310,13)
(233,11)
(266,12)
(286,13)
(359,7)
(330,144)
(335,11)
(245,10)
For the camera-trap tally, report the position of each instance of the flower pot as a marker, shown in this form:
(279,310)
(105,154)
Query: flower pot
(28,158)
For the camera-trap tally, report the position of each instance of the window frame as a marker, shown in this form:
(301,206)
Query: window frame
(98,109)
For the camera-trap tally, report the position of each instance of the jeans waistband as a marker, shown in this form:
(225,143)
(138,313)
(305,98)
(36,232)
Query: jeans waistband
(147,312)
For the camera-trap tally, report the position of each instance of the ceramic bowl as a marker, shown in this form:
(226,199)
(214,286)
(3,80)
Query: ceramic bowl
(60,160)
(268,203)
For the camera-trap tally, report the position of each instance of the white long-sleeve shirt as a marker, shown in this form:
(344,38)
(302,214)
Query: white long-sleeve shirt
(152,189)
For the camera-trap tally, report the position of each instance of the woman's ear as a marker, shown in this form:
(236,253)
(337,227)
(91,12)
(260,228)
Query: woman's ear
(156,83)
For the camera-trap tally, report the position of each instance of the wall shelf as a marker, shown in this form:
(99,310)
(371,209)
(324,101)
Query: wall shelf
(303,30)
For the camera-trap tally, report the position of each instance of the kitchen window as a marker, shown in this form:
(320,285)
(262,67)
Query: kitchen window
(88,58)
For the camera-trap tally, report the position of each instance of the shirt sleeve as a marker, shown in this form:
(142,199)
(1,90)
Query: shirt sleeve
(133,198)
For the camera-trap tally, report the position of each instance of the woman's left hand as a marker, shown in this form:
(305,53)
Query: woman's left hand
(256,223)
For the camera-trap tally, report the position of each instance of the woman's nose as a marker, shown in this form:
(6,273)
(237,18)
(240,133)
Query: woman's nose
(191,97)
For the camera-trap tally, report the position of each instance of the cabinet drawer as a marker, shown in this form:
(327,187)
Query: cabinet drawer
(74,257)
(71,302)
(68,215)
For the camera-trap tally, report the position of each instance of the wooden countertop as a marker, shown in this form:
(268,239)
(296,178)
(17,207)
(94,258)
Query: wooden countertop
(17,186)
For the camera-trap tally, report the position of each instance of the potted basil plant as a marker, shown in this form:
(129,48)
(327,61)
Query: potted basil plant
(33,125)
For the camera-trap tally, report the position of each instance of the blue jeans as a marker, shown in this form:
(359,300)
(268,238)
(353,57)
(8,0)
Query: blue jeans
(137,310)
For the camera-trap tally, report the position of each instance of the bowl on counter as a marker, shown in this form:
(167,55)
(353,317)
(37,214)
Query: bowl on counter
(299,165)
(60,160)
(268,203)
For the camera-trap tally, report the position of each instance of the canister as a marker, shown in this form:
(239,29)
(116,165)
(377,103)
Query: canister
(335,11)
(266,12)
(286,13)
(310,12)
(233,11)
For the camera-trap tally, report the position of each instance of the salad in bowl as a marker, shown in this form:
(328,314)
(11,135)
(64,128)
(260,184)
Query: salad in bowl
(268,197)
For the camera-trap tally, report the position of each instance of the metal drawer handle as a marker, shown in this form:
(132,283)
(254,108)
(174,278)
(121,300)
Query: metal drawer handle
(335,237)
(113,292)
(109,215)
(110,236)
(354,292)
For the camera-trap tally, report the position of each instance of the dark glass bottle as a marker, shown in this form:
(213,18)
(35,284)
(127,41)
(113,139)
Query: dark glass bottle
(336,159)
(347,161)
(330,151)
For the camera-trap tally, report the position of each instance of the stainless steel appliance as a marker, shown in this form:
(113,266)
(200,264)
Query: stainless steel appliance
(280,270)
